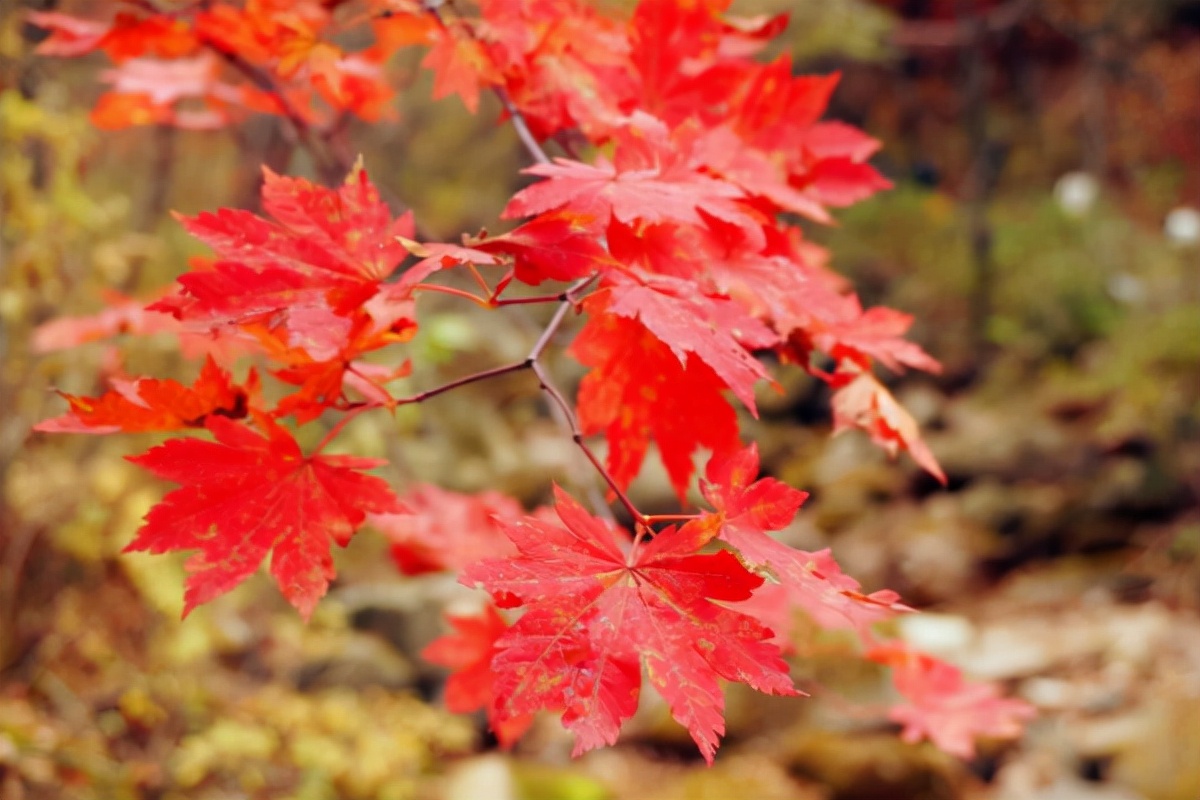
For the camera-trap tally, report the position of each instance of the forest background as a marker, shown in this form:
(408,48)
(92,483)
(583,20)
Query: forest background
(1045,155)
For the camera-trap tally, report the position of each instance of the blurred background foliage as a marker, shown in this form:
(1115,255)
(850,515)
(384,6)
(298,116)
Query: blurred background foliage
(1044,232)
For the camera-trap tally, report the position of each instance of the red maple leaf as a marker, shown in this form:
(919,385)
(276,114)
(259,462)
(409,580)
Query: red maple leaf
(875,333)
(640,391)
(121,314)
(555,246)
(323,246)
(694,326)
(746,509)
(125,37)
(148,404)
(649,180)
(942,706)
(469,651)
(246,495)
(595,615)
(444,530)
(863,402)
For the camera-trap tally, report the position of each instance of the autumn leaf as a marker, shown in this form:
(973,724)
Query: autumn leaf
(649,180)
(942,706)
(748,509)
(864,403)
(148,404)
(444,530)
(469,651)
(639,391)
(694,326)
(597,614)
(121,314)
(125,37)
(248,494)
(321,246)
(875,333)
(555,246)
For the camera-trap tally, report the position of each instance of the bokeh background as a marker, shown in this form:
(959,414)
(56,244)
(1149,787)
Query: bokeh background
(1045,231)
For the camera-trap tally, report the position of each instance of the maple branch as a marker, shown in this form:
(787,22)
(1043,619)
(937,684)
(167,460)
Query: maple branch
(567,300)
(523,301)
(522,128)
(552,391)
(474,377)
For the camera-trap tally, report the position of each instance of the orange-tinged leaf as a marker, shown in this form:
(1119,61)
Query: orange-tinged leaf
(149,404)
(596,614)
(864,403)
(246,495)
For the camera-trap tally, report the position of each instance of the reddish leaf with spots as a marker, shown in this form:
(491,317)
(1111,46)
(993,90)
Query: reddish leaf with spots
(250,494)
(598,610)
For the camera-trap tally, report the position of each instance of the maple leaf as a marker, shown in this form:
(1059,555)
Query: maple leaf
(246,495)
(875,333)
(323,246)
(555,246)
(746,509)
(444,530)
(864,403)
(841,182)
(639,390)
(944,707)
(650,180)
(596,615)
(469,651)
(692,325)
(148,404)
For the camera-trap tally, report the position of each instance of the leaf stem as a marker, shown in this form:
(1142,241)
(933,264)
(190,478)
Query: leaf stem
(351,413)
(433,287)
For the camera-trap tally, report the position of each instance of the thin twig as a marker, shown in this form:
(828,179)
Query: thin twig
(567,299)
(547,386)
